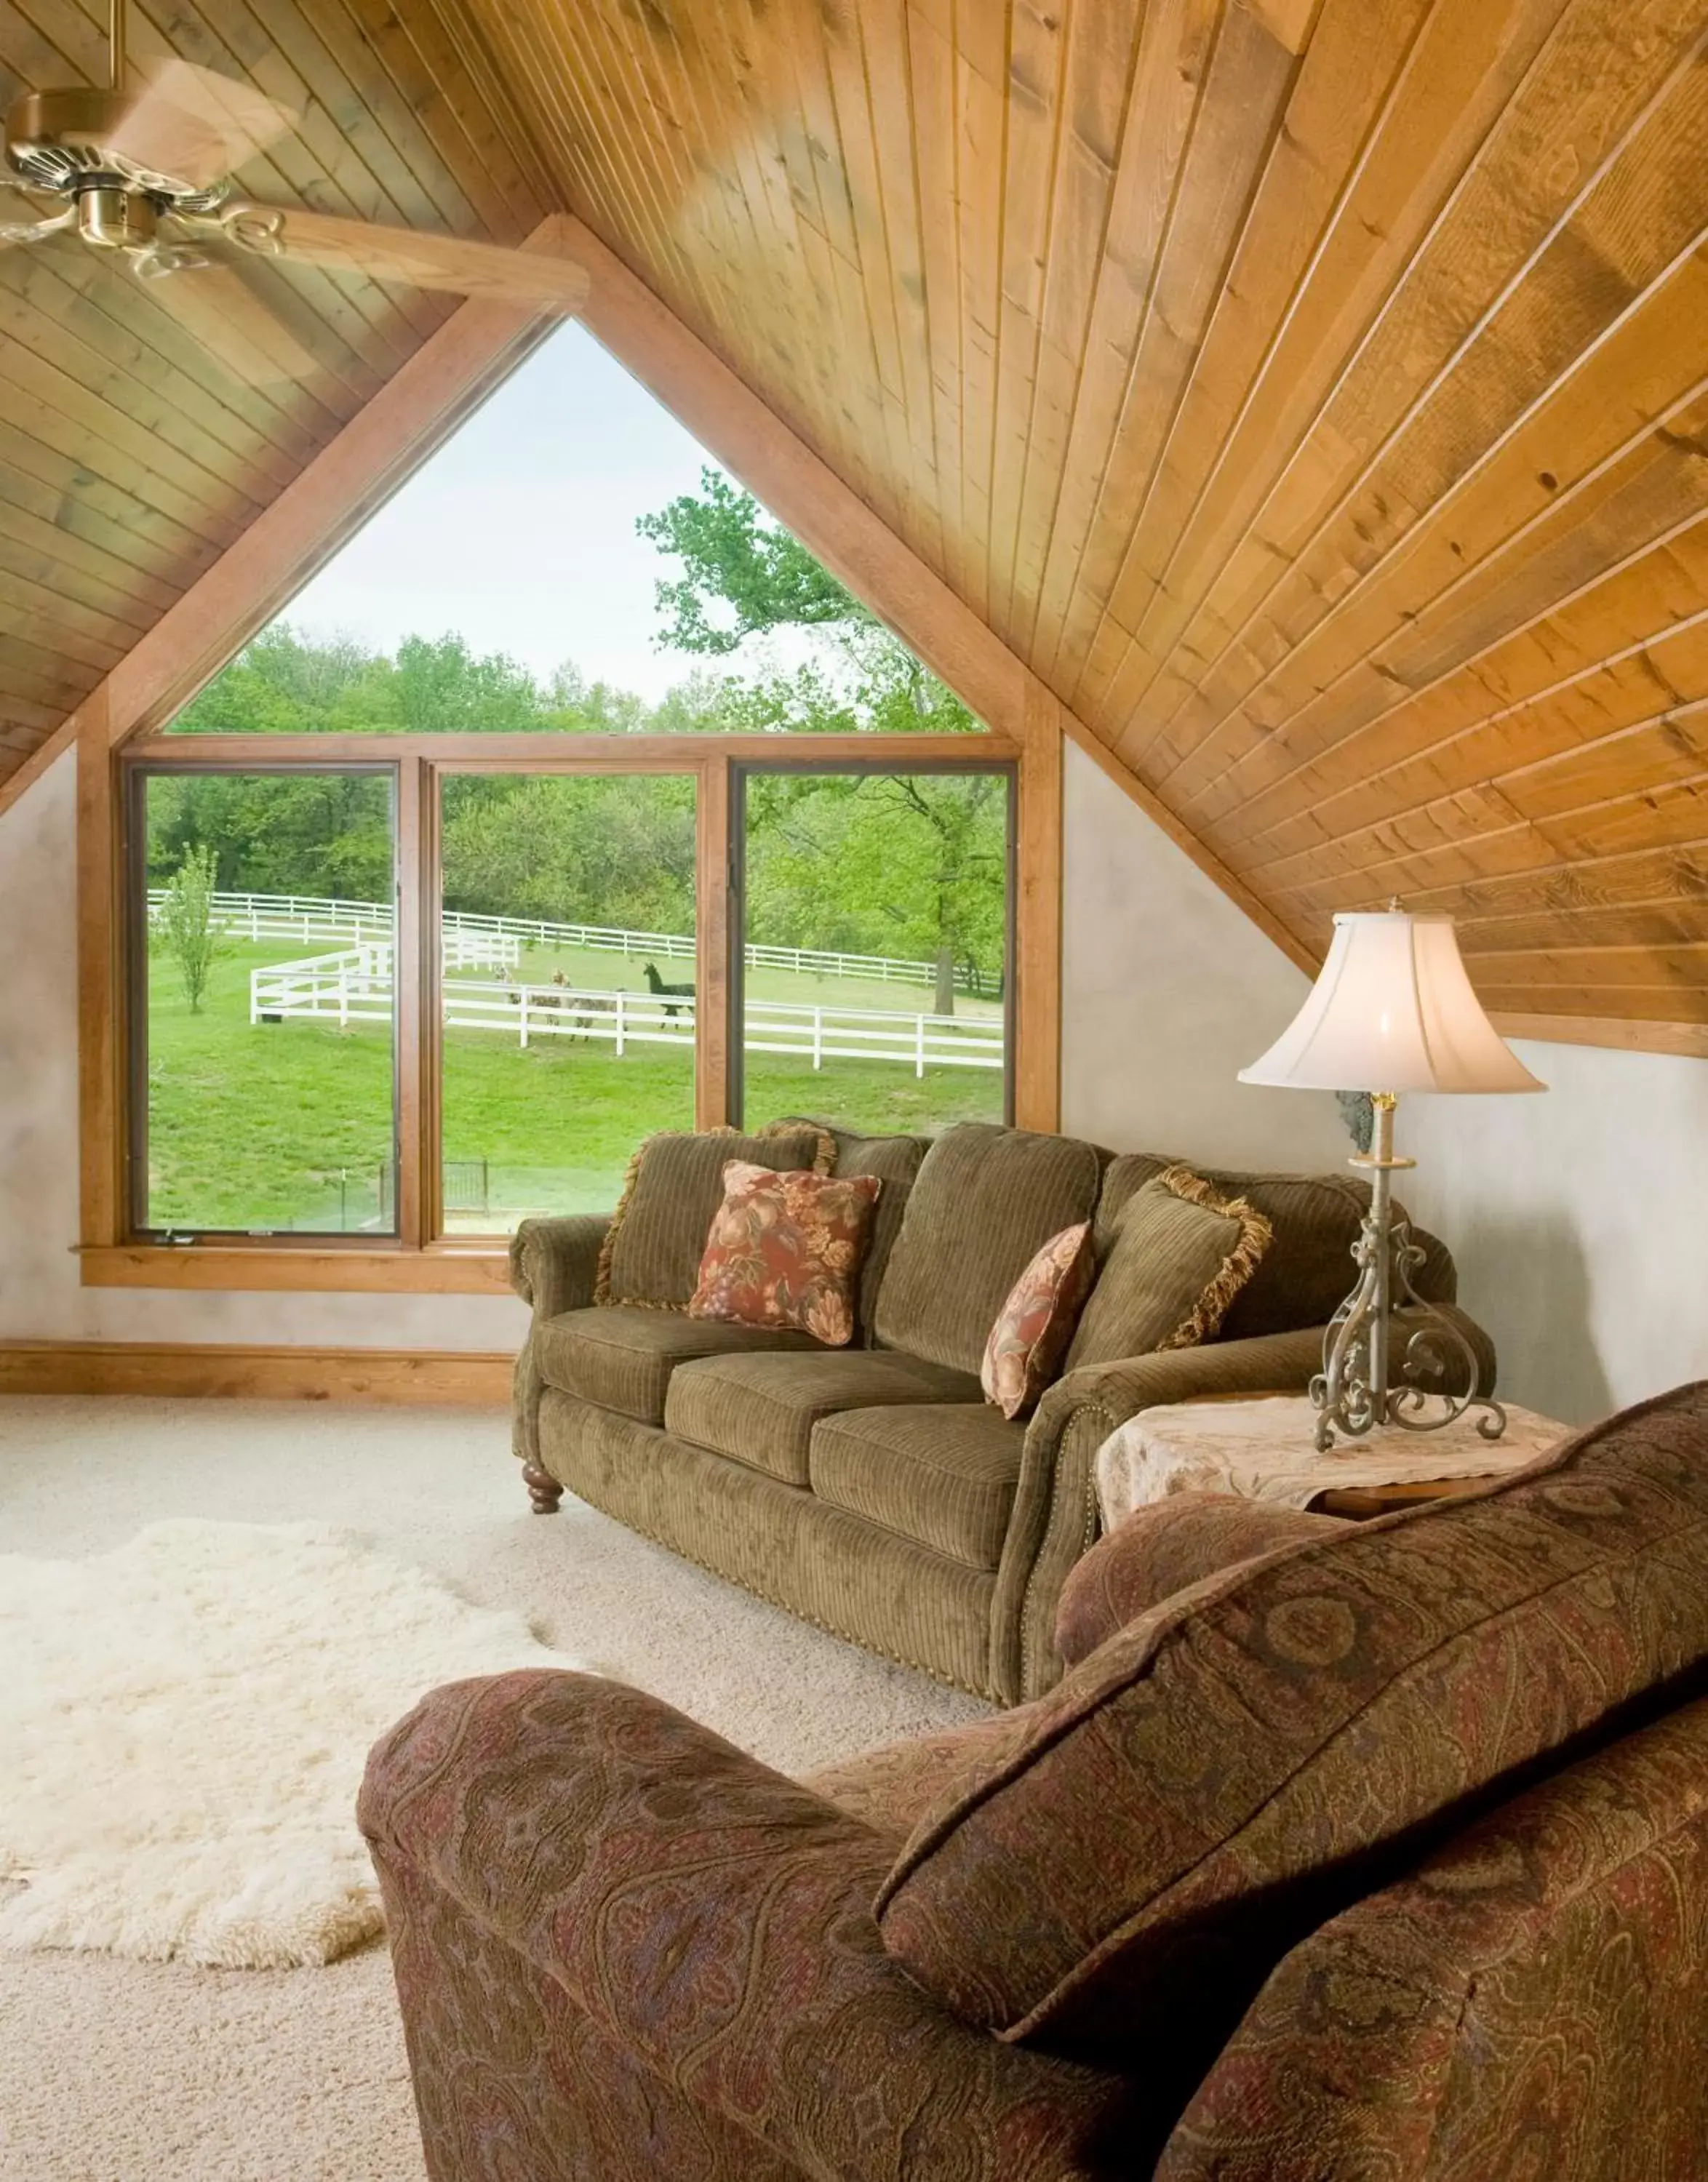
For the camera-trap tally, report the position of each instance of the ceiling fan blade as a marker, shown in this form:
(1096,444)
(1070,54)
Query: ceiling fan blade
(190,125)
(14,229)
(295,236)
(213,303)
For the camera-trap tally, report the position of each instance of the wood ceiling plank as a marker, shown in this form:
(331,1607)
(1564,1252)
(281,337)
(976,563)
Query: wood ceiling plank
(1102,49)
(1035,60)
(1591,359)
(1534,136)
(1680,922)
(1244,95)
(1647,596)
(79,423)
(66,489)
(856,152)
(40,536)
(1351,76)
(1176,39)
(931,80)
(453,104)
(884,44)
(981,106)
(52,616)
(1639,685)
(1426,619)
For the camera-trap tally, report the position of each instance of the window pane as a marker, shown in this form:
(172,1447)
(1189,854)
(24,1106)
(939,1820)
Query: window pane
(876,910)
(568,975)
(269,1101)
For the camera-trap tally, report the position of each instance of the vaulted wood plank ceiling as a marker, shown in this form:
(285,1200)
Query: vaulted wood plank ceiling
(1315,392)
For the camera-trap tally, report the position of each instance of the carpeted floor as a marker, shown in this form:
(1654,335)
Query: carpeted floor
(121,2071)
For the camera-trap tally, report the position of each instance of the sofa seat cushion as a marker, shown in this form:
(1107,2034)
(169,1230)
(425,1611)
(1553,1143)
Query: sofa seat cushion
(1248,1758)
(941,1475)
(623,1357)
(761,1409)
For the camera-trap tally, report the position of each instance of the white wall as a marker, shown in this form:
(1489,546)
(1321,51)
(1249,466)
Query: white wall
(1168,990)
(1579,1219)
(41,1297)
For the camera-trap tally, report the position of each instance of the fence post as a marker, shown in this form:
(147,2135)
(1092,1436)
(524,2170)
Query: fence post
(254,1002)
(621,1021)
(524,1018)
(343,1000)
(919,1046)
(817,1037)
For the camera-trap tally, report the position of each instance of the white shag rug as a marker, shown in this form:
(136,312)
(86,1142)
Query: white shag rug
(183,1727)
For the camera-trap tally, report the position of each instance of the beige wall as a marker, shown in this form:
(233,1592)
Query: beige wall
(41,1297)
(1579,1218)
(1168,990)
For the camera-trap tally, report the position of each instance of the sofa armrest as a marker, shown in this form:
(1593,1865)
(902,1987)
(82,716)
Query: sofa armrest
(1161,1550)
(554,1265)
(711,1919)
(1055,1521)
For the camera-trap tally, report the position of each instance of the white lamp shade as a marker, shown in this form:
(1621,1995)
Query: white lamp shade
(1392,1010)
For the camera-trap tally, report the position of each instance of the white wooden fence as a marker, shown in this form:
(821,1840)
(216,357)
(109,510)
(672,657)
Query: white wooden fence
(258,916)
(356,986)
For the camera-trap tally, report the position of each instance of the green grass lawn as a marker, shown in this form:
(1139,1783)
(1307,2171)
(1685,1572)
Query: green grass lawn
(289,1125)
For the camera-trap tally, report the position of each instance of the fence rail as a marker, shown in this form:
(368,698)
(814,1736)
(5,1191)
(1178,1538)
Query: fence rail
(356,986)
(307,917)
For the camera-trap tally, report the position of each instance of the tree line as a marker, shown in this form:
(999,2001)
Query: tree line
(910,865)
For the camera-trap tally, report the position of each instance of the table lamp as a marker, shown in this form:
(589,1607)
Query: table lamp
(1392,1010)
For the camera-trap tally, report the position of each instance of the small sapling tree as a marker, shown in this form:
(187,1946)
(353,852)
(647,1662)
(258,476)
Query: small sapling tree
(186,922)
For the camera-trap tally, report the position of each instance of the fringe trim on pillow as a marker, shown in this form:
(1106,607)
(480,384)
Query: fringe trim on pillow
(631,1175)
(1204,1320)
(823,1159)
(823,1162)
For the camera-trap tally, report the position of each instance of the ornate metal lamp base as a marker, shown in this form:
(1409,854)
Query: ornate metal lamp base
(1360,1387)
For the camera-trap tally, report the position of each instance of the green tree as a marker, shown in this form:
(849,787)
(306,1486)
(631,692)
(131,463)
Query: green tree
(764,577)
(187,926)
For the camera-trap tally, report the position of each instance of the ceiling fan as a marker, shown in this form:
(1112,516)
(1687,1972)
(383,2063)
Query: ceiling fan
(144,173)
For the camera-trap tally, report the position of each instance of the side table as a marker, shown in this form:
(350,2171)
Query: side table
(1262,1447)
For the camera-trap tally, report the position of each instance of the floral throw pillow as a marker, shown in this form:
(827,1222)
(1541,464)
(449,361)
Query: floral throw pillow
(1034,1325)
(784,1250)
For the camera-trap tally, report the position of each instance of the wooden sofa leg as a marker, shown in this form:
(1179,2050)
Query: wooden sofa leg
(544,1491)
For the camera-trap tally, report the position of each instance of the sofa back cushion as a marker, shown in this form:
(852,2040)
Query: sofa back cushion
(1148,1841)
(986,1200)
(895,1162)
(658,1234)
(1307,1269)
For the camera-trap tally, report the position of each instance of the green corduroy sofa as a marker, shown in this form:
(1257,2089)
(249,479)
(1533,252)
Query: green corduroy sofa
(872,1490)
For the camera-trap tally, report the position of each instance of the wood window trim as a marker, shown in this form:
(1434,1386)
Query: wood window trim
(420,1260)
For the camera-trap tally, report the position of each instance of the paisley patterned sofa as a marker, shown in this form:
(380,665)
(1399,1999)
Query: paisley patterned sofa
(1340,1852)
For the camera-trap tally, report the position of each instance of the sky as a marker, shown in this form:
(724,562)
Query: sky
(519,532)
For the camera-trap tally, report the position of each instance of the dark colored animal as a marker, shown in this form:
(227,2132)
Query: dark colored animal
(658,986)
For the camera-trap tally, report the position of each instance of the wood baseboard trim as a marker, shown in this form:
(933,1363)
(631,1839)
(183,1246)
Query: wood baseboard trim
(225,1370)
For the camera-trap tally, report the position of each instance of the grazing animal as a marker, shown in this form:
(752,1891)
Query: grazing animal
(656,985)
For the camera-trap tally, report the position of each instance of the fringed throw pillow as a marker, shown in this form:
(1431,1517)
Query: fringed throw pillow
(1181,1253)
(1036,1323)
(674,1185)
(784,1250)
